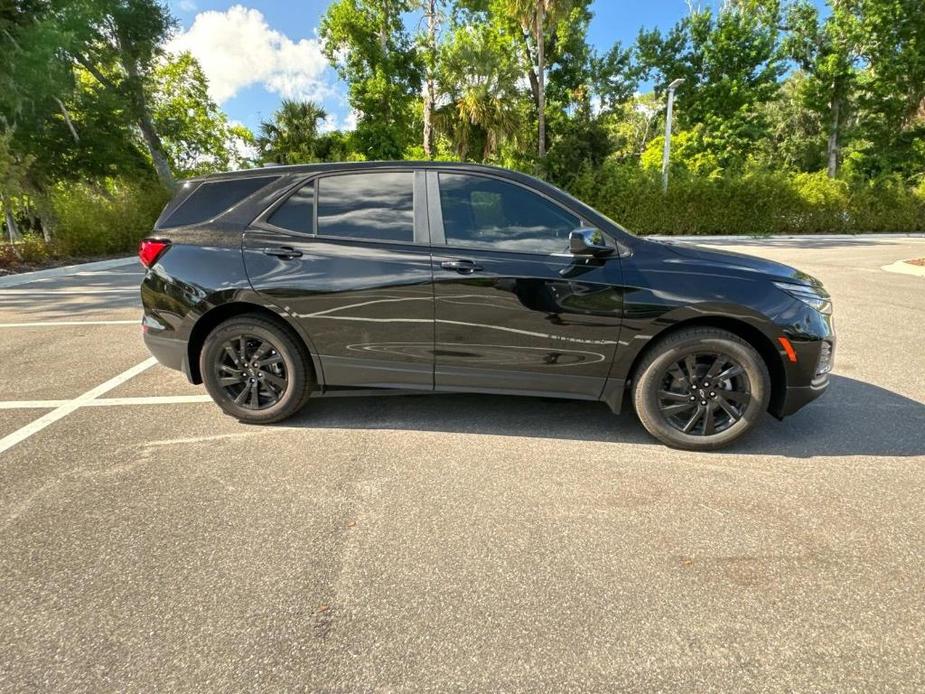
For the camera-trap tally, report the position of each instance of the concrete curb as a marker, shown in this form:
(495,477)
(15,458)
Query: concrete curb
(732,240)
(64,271)
(901,267)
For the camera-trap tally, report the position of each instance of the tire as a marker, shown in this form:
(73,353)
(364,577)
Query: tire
(666,403)
(282,376)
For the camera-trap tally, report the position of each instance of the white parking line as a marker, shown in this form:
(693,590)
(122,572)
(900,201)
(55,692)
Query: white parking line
(65,409)
(106,402)
(52,323)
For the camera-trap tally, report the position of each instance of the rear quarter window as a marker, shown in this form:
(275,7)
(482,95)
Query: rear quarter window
(212,198)
(297,212)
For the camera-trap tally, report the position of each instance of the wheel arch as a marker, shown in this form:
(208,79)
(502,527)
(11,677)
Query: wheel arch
(208,321)
(752,335)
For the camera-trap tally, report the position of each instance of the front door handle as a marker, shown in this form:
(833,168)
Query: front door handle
(464,267)
(284,252)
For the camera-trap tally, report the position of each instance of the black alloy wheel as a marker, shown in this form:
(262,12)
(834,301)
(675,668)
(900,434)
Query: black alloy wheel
(700,388)
(251,372)
(704,393)
(256,369)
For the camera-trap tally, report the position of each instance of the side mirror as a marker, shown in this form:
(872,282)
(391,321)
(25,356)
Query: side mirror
(587,241)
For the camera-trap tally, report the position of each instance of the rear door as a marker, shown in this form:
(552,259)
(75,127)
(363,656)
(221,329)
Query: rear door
(347,256)
(515,311)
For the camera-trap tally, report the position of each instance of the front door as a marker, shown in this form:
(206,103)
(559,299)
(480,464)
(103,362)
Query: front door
(515,312)
(347,256)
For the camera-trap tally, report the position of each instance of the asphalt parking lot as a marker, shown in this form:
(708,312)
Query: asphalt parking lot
(148,542)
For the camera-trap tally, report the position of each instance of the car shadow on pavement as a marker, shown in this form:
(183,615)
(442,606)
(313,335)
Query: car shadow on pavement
(852,419)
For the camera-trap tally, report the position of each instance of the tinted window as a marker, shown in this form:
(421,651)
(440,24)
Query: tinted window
(487,212)
(297,213)
(376,206)
(212,198)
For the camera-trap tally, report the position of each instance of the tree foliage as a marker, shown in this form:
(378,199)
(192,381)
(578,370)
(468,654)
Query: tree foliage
(824,108)
(294,136)
(196,135)
(371,49)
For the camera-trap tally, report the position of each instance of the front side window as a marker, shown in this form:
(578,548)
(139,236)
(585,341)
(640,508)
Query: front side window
(378,206)
(482,212)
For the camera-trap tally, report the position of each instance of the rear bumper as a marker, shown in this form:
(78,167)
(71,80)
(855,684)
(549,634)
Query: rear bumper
(170,352)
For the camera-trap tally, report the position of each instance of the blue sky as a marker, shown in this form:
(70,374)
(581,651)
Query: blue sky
(255,52)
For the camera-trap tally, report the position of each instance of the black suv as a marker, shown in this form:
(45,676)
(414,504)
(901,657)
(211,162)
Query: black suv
(273,285)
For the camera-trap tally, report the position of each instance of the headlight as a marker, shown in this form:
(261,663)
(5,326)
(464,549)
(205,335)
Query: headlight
(811,296)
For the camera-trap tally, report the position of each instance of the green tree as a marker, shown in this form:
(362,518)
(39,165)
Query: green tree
(631,125)
(826,51)
(293,135)
(891,38)
(195,133)
(615,77)
(369,46)
(797,137)
(119,43)
(430,51)
(537,23)
(11,177)
(479,71)
(731,62)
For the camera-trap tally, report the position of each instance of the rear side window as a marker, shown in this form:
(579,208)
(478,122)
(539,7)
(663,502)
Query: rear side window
(298,212)
(212,198)
(482,212)
(377,206)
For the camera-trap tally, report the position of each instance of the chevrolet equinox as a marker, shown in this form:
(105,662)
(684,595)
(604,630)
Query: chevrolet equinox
(278,284)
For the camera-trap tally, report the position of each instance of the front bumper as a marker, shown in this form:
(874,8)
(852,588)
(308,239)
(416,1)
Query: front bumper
(796,397)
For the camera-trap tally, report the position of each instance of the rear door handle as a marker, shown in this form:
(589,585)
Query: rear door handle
(284,252)
(465,267)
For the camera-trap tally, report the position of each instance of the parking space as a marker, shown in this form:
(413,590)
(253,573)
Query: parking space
(148,542)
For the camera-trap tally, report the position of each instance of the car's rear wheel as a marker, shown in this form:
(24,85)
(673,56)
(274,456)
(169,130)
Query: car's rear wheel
(255,370)
(701,389)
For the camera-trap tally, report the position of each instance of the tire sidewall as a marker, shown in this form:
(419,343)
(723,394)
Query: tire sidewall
(292,361)
(646,393)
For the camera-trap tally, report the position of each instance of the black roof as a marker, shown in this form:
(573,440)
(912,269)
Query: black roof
(318,167)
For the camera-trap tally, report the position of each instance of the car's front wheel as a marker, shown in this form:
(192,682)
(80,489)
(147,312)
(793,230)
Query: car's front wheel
(255,370)
(701,389)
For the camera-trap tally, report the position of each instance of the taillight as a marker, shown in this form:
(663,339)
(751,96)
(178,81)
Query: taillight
(149,250)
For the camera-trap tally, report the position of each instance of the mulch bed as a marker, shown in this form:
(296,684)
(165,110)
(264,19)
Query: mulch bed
(14,266)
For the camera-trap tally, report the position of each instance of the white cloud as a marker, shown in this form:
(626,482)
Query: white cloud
(188,5)
(241,151)
(237,48)
(350,122)
(329,124)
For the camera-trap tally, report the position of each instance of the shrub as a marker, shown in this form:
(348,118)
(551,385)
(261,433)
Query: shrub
(34,250)
(886,204)
(8,257)
(754,203)
(820,205)
(106,218)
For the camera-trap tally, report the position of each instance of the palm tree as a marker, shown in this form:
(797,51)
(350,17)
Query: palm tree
(536,17)
(293,136)
(483,99)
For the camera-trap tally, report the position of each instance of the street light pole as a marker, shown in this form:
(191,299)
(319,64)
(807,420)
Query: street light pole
(666,155)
